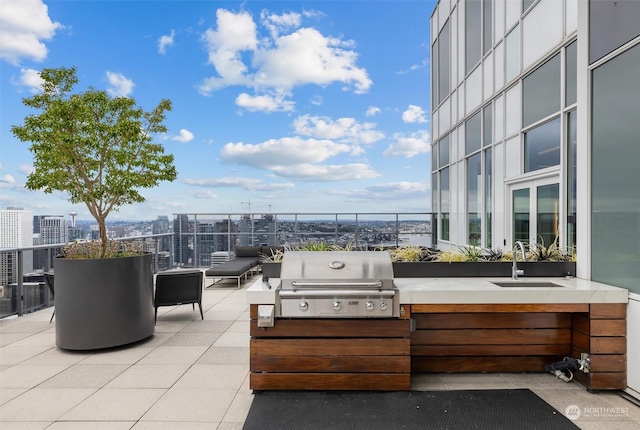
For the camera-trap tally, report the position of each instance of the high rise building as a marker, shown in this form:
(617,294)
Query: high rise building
(16,230)
(53,229)
(182,237)
(49,229)
(534,122)
(257,230)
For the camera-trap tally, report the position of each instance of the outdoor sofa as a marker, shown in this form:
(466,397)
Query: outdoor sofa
(247,261)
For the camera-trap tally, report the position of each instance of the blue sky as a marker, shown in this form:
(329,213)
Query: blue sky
(294,106)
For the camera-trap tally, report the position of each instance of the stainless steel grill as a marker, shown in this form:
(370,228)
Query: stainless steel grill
(338,284)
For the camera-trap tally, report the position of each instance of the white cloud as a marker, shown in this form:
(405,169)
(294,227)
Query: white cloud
(184,136)
(401,191)
(24,24)
(119,85)
(29,78)
(279,62)
(27,169)
(236,33)
(164,41)
(326,173)
(278,23)
(7,179)
(409,146)
(285,152)
(372,111)
(402,187)
(414,114)
(343,129)
(265,103)
(308,57)
(249,184)
(204,194)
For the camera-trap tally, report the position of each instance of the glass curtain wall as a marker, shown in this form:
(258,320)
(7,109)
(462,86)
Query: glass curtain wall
(474,203)
(615,146)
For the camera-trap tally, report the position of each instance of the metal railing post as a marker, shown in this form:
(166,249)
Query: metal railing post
(20,287)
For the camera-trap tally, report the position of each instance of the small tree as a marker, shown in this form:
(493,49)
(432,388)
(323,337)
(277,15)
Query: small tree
(95,147)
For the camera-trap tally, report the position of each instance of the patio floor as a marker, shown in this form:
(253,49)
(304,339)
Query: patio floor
(193,374)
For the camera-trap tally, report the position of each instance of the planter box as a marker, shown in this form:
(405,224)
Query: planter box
(430,269)
(102,303)
(272,270)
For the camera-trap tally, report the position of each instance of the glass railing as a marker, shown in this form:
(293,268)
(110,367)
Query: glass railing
(22,287)
(199,235)
(198,239)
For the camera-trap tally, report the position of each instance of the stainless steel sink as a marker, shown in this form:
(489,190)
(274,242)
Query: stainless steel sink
(527,284)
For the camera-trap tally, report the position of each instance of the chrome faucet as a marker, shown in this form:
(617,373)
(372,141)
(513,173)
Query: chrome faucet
(515,272)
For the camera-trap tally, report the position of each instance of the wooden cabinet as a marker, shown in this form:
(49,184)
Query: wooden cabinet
(381,354)
(521,338)
(330,354)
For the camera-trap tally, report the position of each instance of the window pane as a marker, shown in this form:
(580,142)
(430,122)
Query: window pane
(488,172)
(571,75)
(541,92)
(548,197)
(472,33)
(615,140)
(473,134)
(434,157)
(487,131)
(571,179)
(434,192)
(487,28)
(542,146)
(611,25)
(521,215)
(434,209)
(435,101)
(443,63)
(512,54)
(474,183)
(443,147)
(526,4)
(444,204)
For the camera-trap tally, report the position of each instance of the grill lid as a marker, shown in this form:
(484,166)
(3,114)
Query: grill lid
(336,269)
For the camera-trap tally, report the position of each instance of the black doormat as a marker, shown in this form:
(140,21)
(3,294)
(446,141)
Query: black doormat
(420,410)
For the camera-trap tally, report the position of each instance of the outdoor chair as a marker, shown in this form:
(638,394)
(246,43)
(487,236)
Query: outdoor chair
(48,280)
(178,287)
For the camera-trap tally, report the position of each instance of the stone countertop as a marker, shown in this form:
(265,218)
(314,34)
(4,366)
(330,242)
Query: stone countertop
(479,291)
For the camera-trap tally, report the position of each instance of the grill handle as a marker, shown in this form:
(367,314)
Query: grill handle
(376,284)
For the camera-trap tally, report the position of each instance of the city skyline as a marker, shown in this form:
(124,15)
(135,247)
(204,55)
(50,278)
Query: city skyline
(277,106)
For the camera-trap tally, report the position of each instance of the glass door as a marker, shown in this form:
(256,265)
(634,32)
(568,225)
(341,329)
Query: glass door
(535,212)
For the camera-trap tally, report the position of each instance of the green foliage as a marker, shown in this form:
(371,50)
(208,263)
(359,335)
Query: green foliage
(471,253)
(410,253)
(492,255)
(82,249)
(540,252)
(95,147)
(316,246)
(450,257)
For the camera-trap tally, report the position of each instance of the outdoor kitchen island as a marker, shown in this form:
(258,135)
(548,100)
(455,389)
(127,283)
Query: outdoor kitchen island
(445,325)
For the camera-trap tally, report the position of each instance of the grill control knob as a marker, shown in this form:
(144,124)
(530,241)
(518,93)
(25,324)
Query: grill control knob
(337,306)
(304,306)
(383,306)
(369,306)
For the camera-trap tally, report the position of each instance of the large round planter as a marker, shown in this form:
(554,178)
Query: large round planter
(102,303)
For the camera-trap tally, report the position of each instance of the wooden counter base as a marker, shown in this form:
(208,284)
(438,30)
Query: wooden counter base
(381,354)
(330,354)
(521,338)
